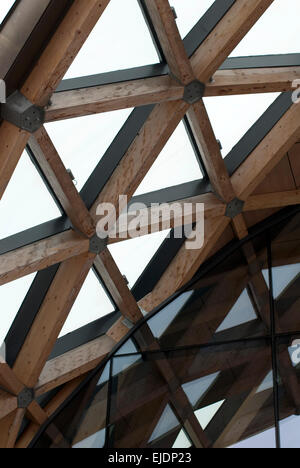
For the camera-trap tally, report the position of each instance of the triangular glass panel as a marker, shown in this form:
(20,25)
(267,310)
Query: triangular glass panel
(26,202)
(189,13)
(241,113)
(282,277)
(12,296)
(241,312)
(266,384)
(263,440)
(205,415)
(276,32)
(176,164)
(133,255)
(197,388)
(120,40)
(5,6)
(95,441)
(82,142)
(91,304)
(161,321)
(167,423)
(182,441)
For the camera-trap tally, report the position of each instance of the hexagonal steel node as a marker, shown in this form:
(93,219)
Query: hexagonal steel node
(193,92)
(19,111)
(25,398)
(97,245)
(234,208)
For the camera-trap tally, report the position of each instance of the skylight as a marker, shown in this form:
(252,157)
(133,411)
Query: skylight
(92,303)
(82,142)
(11,298)
(132,256)
(277,31)
(282,277)
(241,312)
(189,13)
(241,113)
(26,201)
(117,44)
(197,388)
(4,8)
(167,423)
(205,415)
(175,165)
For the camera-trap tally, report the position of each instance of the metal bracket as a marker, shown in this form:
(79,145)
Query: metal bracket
(97,245)
(25,398)
(193,92)
(19,111)
(234,208)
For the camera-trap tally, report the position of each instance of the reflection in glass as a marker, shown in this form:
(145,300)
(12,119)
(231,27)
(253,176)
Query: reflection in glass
(241,312)
(167,423)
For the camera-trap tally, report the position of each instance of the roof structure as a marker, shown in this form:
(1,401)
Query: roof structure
(253,190)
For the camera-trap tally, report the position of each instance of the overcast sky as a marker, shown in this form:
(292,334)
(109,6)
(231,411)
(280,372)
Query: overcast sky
(118,44)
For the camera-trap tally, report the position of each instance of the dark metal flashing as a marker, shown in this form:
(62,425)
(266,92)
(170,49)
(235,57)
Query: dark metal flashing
(28,312)
(35,234)
(262,61)
(206,25)
(258,132)
(114,154)
(84,335)
(174,193)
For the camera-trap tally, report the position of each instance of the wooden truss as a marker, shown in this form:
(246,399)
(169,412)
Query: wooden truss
(266,178)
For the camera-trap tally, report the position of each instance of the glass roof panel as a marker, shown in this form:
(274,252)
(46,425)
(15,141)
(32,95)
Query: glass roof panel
(115,44)
(167,423)
(277,31)
(241,312)
(26,202)
(94,441)
(189,13)
(205,415)
(132,256)
(91,304)
(241,113)
(176,164)
(267,383)
(197,388)
(82,142)
(11,298)
(161,321)
(5,6)
(282,277)
(182,441)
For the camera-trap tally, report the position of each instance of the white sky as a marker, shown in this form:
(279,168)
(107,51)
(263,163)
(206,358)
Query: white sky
(116,44)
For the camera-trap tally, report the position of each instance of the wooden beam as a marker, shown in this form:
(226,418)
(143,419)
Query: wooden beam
(46,75)
(252,81)
(185,265)
(8,380)
(9,428)
(272,200)
(267,154)
(225,37)
(152,221)
(51,318)
(107,98)
(210,151)
(41,255)
(61,182)
(73,364)
(117,286)
(166,28)
(142,153)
